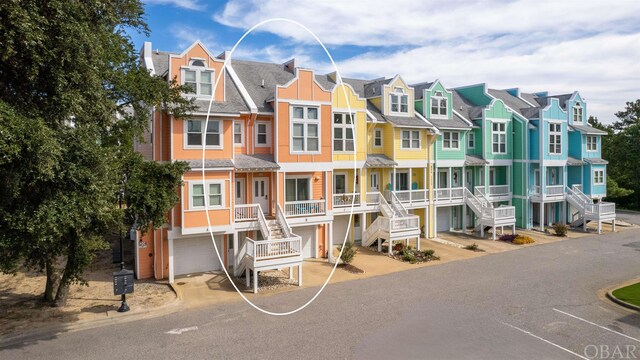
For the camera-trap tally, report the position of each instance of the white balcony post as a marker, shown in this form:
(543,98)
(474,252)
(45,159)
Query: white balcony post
(300,275)
(255,282)
(330,250)
(541,216)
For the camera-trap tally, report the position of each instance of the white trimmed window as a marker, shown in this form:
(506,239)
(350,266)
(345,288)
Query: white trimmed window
(472,140)
(238,132)
(451,140)
(399,101)
(411,139)
(214,191)
(305,134)
(555,138)
(195,128)
(592,143)
(377,138)
(499,138)
(263,134)
(577,113)
(297,189)
(343,132)
(598,177)
(198,78)
(438,105)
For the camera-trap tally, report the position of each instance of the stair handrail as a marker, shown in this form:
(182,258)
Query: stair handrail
(282,220)
(262,223)
(395,202)
(484,201)
(581,195)
(372,229)
(469,195)
(384,205)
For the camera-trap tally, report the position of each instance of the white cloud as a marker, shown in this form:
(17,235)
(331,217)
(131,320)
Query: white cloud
(185,4)
(559,46)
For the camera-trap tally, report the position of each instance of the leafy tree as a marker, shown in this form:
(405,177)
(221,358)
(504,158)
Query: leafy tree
(73,97)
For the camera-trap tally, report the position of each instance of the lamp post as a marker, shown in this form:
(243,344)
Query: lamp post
(123,306)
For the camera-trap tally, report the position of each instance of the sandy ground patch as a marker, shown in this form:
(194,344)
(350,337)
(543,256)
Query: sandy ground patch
(21,307)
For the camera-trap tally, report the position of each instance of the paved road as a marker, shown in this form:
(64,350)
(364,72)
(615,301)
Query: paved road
(536,303)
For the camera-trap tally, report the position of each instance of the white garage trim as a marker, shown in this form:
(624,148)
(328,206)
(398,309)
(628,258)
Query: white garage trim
(196,254)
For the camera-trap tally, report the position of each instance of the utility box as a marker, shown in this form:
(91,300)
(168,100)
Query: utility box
(122,282)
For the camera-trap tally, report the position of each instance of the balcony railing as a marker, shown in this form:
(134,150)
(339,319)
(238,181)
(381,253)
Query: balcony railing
(449,193)
(494,190)
(346,200)
(554,190)
(601,208)
(272,249)
(412,196)
(247,212)
(373,198)
(405,223)
(304,208)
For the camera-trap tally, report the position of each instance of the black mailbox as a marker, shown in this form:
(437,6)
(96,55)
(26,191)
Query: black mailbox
(122,282)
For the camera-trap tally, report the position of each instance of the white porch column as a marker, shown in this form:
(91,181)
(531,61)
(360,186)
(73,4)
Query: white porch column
(613,224)
(330,250)
(363,221)
(542,204)
(247,276)
(464,218)
(300,275)
(235,252)
(255,282)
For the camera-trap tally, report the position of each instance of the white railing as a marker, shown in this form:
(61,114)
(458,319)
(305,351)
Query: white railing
(577,187)
(450,193)
(246,212)
(270,249)
(578,191)
(410,222)
(373,198)
(474,203)
(282,220)
(350,199)
(601,208)
(385,208)
(262,222)
(494,190)
(535,189)
(499,213)
(412,196)
(554,190)
(396,204)
(371,230)
(304,208)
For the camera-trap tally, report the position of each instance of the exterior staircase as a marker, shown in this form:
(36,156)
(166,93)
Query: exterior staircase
(587,211)
(394,224)
(488,216)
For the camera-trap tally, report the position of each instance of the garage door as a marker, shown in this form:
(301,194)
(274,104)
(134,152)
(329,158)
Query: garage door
(443,218)
(196,255)
(308,235)
(340,224)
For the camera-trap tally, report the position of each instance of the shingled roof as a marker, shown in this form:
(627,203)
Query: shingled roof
(253,73)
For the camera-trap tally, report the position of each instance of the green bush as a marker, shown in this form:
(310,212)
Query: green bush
(560,229)
(348,253)
(409,256)
(472,247)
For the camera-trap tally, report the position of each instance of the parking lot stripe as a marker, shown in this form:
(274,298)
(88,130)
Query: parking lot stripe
(594,324)
(545,340)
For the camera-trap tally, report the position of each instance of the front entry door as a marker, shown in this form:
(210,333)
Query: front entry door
(374,181)
(468,180)
(240,191)
(261,193)
(357,230)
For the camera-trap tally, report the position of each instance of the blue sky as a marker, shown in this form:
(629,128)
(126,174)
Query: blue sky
(553,45)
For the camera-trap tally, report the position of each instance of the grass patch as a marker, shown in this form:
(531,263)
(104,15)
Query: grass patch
(629,294)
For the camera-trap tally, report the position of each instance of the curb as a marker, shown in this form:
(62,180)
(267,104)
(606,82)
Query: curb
(610,296)
(53,330)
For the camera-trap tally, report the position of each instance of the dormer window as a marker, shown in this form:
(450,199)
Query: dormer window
(198,78)
(438,105)
(577,113)
(399,101)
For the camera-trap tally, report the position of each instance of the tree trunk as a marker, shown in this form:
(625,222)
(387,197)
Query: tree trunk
(52,279)
(63,288)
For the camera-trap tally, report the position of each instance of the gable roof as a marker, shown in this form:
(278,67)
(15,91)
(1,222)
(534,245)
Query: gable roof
(420,88)
(252,73)
(516,104)
(529,97)
(373,88)
(255,162)
(233,102)
(400,121)
(356,84)
(160,60)
(587,129)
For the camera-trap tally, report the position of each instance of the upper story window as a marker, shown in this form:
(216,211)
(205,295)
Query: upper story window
(499,138)
(411,139)
(305,134)
(214,191)
(555,138)
(343,132)
(198,78)
(598,177)
(213,136)
(592,143)
(451,140)
(399,101)
(263,134)
(238,132)
(472,140)
(577,113)
(377,138)
(438,105)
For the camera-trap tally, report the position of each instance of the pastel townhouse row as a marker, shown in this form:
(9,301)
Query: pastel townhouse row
(530,160)
(284,159)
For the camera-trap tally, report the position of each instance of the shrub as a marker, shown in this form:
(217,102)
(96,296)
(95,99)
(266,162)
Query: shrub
(348,253)
(472,247)
(560,229)
(508,237)
(409,256)
(429,254)
(523,239)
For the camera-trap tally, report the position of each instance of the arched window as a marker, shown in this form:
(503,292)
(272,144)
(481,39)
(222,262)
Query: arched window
(197,62)
(198,78)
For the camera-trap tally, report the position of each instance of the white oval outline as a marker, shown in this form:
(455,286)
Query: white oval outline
(224,66)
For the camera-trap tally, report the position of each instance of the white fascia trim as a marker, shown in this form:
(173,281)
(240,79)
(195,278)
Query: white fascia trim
(303,102)
(306,166)
(449,163)
(345,110)
(555,162)
(419,116)
(463,118)
(222,229)
(348,165)
(411,163)
(215,115)
(370,115)
(499,162)
(241,88)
